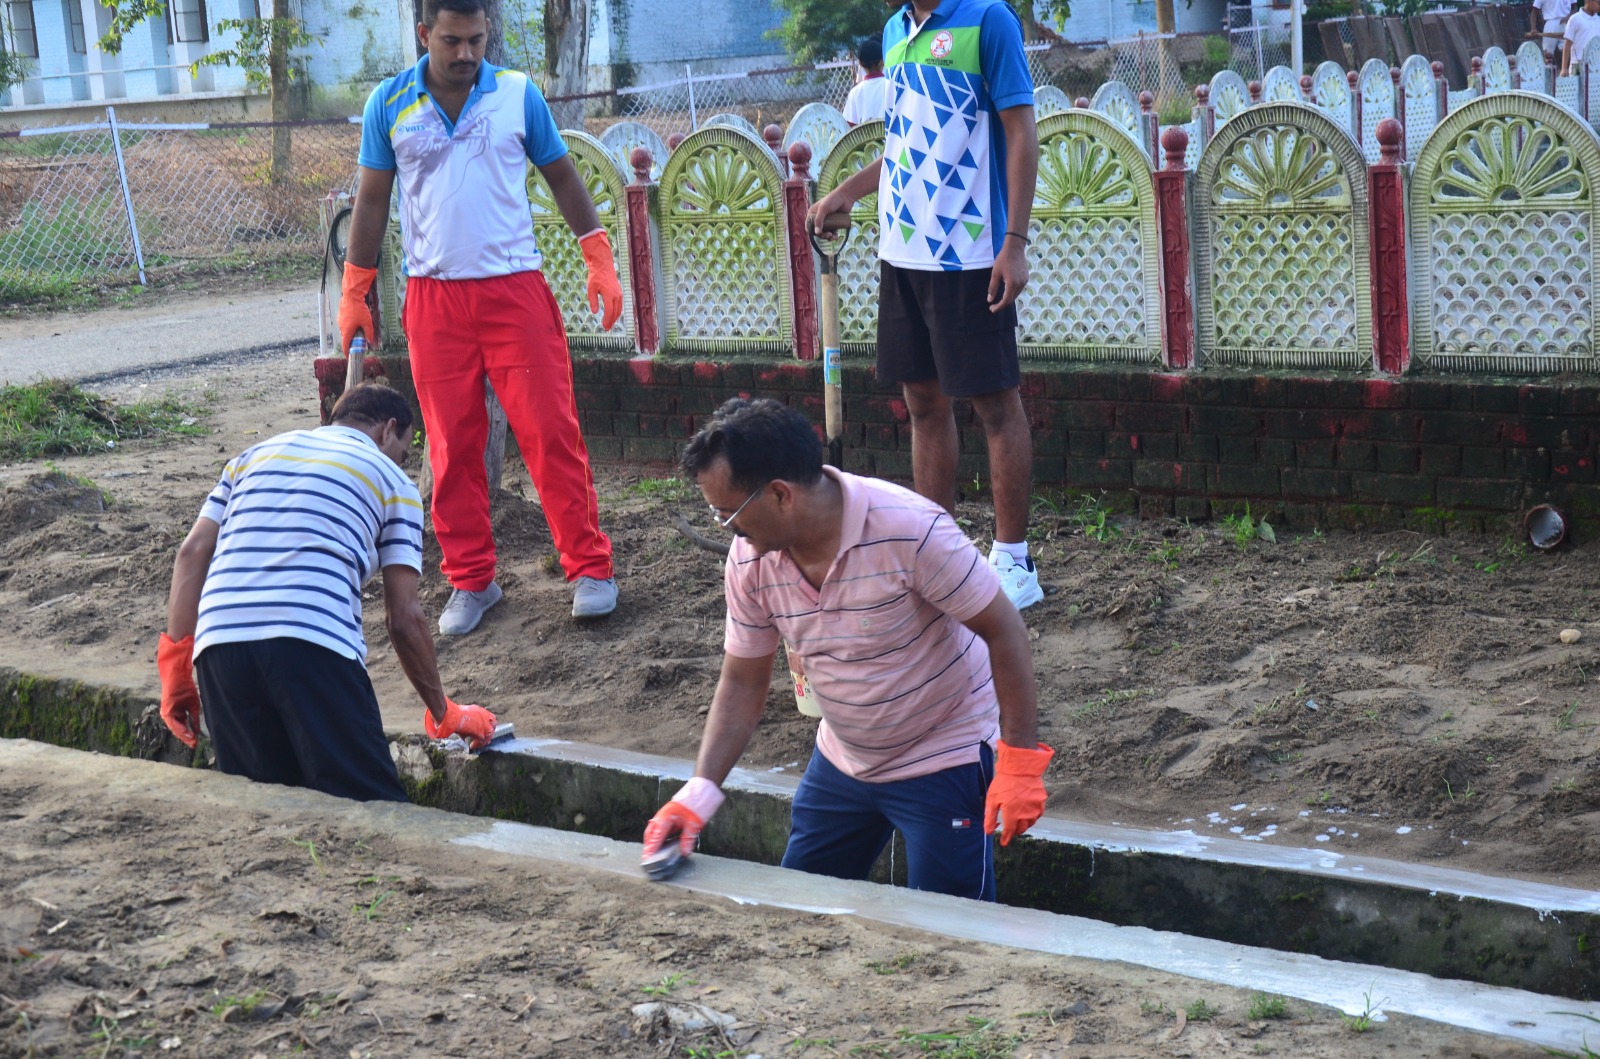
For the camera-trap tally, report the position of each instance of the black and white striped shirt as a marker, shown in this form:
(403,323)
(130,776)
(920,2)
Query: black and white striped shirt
(306,518)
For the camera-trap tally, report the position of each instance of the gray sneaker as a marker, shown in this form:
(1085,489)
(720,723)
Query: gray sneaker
(466,609)
(594,598)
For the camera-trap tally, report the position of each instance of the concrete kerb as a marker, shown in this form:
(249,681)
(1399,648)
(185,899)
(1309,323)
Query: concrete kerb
(1528,1017)
(1428,920)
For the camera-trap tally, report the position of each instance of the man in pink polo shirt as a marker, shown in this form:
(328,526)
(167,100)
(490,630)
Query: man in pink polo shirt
(920,663)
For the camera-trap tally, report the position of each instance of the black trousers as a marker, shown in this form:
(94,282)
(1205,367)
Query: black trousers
(289,711)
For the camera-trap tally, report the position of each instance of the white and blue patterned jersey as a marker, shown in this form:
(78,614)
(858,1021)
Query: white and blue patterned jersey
(305,519)
(463,184)
(942,192)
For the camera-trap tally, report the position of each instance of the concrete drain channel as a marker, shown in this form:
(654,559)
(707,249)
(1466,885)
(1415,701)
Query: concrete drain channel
(1503,933)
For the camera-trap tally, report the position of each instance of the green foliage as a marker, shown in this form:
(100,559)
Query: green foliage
(1588,1052)
(125,16)
(1263,1006)
(1200,1011)
(13,68)
(667,984)
(1242,529)
(1369,1014)
(1092,518)
(253,50)
(820,30)
(56,418)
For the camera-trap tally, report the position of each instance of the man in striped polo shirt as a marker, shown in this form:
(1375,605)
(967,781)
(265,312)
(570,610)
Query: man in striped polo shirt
(920,664)
(266,605)
(955,188)
(456,134)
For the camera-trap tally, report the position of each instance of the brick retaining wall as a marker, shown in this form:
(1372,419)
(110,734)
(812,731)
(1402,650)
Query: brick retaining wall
(1435,453)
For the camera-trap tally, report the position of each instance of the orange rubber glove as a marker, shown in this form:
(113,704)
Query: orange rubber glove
(684,816)
(474,723)
(1017,791)
(353,312)
(180,699)
(603,282)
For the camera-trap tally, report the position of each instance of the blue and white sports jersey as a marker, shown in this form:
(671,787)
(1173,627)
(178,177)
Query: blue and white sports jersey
(306,518)
(463,184)
(942,192)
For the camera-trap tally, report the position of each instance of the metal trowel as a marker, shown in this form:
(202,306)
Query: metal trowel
(664,863)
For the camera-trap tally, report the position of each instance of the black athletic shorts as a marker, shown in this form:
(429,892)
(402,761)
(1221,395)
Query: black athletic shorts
(289,711)
(937,325)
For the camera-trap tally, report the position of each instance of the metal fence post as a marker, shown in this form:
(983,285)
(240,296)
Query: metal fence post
(688,73)
(127,198)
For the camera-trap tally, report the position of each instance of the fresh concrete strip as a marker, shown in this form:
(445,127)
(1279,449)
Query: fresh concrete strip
(1449,924)
(1356,989)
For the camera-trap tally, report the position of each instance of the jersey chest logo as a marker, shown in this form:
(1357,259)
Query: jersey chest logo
(941,44)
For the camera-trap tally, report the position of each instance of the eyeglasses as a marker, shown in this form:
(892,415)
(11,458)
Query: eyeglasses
(727,523)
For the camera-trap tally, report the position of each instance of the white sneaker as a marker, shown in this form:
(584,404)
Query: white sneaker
(1020,583)
(466,609)
(594,597)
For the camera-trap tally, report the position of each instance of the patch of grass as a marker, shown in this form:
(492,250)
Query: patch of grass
(1165,555)
(1200,1011)
(981,1040)
(1092,516)
(1265,1006)
(1567,723)
(310,847)
(56,418)
(666,490)
(894,966)
(248,1003)
(1108,701)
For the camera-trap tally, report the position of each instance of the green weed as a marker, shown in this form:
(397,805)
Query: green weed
(1165,555)
(1092,517)
(1200,1011)
(1566,722)
(369,911)
(1108,701)
(1243,529)
(670,490)
(54,417)
(980,1041)
(248,1003)
(667,984)
(310,847)
(894,966)
(1264,1006)
(1369,1013)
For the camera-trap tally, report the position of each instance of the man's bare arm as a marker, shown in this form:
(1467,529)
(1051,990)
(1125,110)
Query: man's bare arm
(736,708)
(1011,661)
(189,577)
(572,198)
(370,217)
(411,637)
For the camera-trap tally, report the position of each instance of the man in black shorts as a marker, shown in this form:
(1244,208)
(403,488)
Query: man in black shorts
(960,144)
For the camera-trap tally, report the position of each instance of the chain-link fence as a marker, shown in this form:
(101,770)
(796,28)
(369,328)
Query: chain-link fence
(1257,39)
(109,201)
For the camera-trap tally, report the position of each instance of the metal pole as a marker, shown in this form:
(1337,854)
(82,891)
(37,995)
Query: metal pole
(688,72)
(1297,40)
(127,199)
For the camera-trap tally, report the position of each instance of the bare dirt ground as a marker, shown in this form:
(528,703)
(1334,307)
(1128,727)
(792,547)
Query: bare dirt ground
(1392,695)
(134,924)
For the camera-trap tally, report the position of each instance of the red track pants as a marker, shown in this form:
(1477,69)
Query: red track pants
(508,328)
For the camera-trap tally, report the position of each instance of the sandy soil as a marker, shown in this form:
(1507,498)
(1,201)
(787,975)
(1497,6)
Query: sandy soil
(132,924)
(1395,695)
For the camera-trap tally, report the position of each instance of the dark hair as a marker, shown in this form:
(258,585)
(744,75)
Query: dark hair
(762,441)
(431,9)
(869,53)
(372,404)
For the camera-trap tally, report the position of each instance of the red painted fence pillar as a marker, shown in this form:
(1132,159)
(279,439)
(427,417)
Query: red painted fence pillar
(1177,309)
(802,265)
(1391,323)
(639,197)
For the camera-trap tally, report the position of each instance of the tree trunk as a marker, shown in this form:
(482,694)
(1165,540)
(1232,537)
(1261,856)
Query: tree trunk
(495,51)
(1167,23)
(566,57)
(278,71)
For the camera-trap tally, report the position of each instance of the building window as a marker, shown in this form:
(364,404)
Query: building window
(24,41)
(80,44)
(189,21)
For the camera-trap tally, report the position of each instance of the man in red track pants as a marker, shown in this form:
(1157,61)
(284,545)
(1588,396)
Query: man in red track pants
(458,133)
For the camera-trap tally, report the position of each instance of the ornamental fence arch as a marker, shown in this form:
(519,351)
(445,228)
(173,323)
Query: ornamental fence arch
(858,260)
(1503,225)
(725,274)
(564,268)
(1096,292)
(1282,272)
